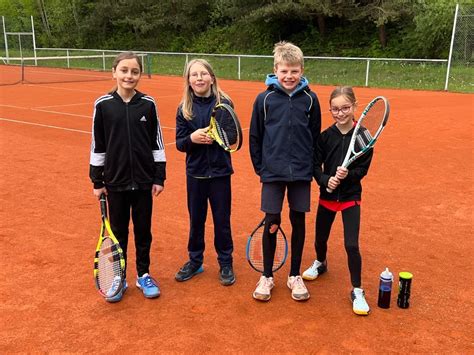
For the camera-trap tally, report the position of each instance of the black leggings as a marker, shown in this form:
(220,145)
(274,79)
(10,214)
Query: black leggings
(140,203)
(351,222)
(297,241)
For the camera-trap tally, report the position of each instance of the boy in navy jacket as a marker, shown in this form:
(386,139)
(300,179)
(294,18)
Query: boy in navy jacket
(285,124)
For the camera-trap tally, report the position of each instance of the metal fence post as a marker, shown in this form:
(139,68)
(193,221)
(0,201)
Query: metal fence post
(367,73)
(6,39)
(238,66)
(451,47)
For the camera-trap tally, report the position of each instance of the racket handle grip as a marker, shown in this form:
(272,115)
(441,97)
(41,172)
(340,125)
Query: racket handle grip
(103,204)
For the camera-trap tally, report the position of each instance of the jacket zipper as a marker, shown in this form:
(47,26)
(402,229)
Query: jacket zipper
(342,159)
(208,161)
(130,147)
(290,138)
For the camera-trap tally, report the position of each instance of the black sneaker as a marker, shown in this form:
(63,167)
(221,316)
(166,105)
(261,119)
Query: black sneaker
(188,271)
(226,275)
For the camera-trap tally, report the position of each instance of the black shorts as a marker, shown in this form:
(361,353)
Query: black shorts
(273,194)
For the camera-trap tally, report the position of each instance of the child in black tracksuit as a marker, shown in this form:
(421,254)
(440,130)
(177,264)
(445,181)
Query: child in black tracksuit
(128,162)
(208,171)
(332,146)
(286,121)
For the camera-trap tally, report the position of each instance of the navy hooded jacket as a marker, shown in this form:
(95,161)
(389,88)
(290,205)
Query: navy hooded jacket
(202,160)
(283,132)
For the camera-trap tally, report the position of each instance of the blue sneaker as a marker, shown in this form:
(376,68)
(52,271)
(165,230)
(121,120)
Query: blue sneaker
(148,285)
(112,290)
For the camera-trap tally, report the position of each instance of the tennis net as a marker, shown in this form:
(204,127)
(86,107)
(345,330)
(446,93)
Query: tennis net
(59,69)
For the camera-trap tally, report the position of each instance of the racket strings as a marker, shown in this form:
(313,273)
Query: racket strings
(226,128)
(370,125)
(223,135)
(110,272)
(374,117)
(256,251)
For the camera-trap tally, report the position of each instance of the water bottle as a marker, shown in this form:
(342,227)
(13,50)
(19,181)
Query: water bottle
(385,288)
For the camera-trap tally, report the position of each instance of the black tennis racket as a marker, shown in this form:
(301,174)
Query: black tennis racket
(109,262)
(225,128)
(367,130)
(254,249)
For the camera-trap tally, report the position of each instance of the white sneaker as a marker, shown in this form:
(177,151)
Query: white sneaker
(299,292)
(264,288)
(359,304)
(114,288)
(316,269)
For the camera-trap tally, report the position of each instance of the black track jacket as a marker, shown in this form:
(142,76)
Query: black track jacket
(127,150)
(331,150)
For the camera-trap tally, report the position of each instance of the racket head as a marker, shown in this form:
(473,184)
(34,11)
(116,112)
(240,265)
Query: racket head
(371,124)
(109,261)
(225,128)
(367,130)
(254,249)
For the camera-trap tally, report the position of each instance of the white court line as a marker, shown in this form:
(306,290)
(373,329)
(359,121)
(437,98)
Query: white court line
(83,116)
(12,106)
(53,127)
(44,125)
(47,111)
(65,105)
(62,113)
(43,86)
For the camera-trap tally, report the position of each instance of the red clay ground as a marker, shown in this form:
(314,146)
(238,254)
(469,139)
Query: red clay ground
(417,216)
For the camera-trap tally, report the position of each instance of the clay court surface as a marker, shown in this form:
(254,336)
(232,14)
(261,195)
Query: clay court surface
(417,216)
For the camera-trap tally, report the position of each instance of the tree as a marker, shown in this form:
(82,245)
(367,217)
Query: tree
(381,12)
(431,33)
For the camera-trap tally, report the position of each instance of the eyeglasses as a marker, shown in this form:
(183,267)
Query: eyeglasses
(199,74)
(343,109)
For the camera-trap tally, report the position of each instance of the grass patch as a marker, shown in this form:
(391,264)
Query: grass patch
(386,74)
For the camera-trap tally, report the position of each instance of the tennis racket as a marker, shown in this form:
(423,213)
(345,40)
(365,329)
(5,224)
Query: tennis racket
(109,262)
(254,249)
(225,128)
(367,130)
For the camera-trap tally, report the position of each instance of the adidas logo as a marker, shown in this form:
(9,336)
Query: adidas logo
(143,119)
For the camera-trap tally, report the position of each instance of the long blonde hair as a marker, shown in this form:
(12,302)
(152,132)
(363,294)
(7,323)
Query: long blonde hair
(188,94)
(122,56)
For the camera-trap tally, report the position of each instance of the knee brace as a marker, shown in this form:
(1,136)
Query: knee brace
(272,219)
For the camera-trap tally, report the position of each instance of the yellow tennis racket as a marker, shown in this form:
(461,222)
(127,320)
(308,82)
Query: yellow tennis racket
(225,128)
(109,262)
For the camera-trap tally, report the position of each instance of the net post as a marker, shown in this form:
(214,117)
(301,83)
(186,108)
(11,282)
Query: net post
(451,47)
